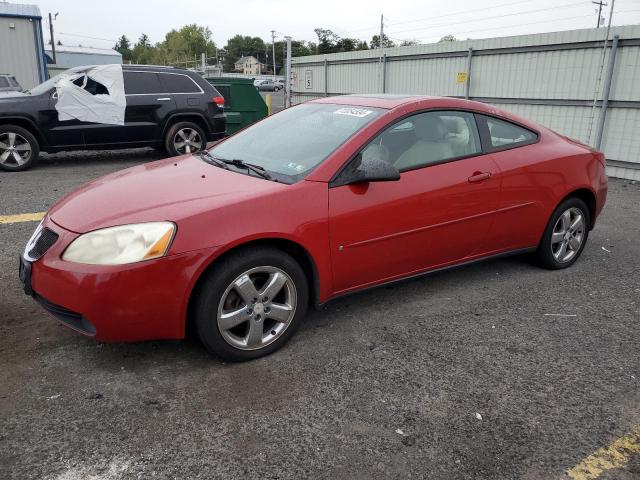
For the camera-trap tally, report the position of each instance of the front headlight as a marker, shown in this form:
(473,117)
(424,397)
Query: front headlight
(123,244)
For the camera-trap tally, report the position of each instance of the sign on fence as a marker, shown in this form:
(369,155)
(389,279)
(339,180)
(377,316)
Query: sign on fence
(461,77)
(308,79)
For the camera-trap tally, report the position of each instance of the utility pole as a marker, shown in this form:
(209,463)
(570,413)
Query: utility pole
(287,73)
(381,65)
(273,47)
(53,42)
(600,5)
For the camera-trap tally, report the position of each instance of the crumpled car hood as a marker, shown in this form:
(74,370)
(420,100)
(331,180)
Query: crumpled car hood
(171,189)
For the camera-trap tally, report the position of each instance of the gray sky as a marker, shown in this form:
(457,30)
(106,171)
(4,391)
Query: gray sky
(421,20)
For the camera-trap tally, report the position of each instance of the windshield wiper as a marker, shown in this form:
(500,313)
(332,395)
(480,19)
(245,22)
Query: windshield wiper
(236,162)
(207,157)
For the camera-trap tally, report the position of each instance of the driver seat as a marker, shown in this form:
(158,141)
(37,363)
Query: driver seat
(432,145)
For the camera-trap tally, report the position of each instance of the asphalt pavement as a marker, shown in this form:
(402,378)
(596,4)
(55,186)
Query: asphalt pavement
(500,370)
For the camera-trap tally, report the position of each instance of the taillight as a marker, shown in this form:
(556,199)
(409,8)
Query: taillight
(219,101)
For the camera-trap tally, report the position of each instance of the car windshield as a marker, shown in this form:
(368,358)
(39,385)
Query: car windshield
(44,87)
(290,144)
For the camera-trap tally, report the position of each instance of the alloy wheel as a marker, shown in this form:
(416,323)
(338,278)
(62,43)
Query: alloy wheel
(187,140)
(15,150)
(257,308)
(568,235)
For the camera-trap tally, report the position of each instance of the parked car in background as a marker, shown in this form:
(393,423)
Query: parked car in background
(280,82)
(320,200)
(268,86)
(8,83)
(166,108)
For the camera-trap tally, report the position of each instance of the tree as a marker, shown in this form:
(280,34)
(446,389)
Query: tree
(327,40)
(447,38)
(386,42)
(144,41)
(409,43)
(123,47)
(240,46)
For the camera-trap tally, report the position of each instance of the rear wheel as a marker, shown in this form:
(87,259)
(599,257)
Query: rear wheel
(185,137)
(566,235)
(19,149)
(251,304)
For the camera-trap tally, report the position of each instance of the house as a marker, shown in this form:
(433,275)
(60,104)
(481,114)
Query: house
(249,65)
(68,57)
(21,43)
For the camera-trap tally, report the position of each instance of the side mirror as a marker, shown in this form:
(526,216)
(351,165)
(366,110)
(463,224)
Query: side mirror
(369,169)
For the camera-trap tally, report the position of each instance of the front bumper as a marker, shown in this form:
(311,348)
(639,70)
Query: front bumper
(141,301)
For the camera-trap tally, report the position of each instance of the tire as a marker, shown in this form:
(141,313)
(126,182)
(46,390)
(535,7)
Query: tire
(23,151)
(180,132)
(560,246)
(236,324)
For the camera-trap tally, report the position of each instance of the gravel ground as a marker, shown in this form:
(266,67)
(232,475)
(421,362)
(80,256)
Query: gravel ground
(457,375)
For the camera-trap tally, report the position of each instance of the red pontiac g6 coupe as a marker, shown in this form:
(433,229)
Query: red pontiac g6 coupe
(323,199)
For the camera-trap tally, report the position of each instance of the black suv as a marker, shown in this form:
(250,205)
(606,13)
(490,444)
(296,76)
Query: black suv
(166,108)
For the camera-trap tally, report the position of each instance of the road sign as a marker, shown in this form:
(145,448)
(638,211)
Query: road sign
(308,79)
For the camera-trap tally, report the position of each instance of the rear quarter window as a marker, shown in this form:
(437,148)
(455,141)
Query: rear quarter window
(503,134)
(4,82)
(179,83)
(137,83)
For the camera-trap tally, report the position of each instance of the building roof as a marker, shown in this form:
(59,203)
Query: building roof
(246,57)
(83,50)
(15,10)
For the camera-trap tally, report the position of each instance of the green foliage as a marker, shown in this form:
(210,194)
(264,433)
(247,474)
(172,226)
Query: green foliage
(386,42)
(123,47)
(447,38)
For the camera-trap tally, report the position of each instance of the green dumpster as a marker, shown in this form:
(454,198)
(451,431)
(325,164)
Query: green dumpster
(243,104)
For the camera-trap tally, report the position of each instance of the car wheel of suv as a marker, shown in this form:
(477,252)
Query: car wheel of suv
(19,149)
(251,304)
(185,137)
(566,235)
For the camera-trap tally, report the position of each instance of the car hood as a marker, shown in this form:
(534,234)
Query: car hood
(171,189)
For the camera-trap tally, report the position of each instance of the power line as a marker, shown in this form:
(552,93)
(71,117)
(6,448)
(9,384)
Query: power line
(85,36)
(462,12)
(492,17)
(534,23)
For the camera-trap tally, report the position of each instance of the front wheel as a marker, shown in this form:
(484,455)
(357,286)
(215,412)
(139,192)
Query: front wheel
(566,235)
(183,138)
(19,149)
(251,304)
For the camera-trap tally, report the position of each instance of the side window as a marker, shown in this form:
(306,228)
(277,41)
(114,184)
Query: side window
(507,134)
(4,82)
(13,82)
(90,85)
(426,139)
(136,83)
(178,83)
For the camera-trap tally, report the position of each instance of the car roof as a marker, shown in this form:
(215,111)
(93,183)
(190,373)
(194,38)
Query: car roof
(391,101)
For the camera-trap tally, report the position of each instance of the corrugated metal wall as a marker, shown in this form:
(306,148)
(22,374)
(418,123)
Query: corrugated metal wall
(549,78)
(18,50)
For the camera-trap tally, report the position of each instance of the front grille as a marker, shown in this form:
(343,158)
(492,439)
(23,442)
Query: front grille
(69,317)
(43,243)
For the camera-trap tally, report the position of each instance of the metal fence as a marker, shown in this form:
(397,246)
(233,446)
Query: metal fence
(550,78)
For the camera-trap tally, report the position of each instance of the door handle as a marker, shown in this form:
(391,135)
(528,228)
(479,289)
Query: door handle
(163,99)
(479,177)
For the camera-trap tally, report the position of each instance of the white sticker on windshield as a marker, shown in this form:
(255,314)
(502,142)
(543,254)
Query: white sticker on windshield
(353,112)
